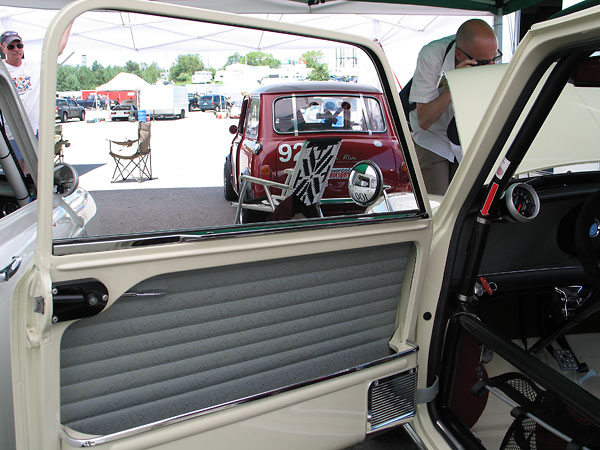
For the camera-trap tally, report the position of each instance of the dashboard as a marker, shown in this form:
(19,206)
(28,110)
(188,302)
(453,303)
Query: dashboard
(531,241)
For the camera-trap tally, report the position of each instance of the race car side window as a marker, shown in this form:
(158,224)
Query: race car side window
(252,120)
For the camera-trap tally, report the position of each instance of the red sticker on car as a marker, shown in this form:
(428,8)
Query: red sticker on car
(339,174)
(490,198)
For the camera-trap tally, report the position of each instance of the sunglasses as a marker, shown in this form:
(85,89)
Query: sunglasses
(484,62)
(12,46)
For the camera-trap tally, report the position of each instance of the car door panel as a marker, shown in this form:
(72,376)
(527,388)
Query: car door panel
(253,337)
(205,328)
(217,335)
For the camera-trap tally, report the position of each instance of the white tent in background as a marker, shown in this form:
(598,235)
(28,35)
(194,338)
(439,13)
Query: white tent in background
(113,38)
(124,82)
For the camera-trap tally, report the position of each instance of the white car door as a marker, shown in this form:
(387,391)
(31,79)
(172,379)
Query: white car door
(296,334)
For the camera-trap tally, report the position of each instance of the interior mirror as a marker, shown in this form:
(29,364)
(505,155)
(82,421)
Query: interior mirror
(587,73)
(66,179)
(365,184)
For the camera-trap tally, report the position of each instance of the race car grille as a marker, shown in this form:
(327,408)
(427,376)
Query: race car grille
(391,400)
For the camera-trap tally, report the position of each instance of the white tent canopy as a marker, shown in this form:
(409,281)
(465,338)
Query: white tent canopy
(279,7)
(113,38)
(124,82)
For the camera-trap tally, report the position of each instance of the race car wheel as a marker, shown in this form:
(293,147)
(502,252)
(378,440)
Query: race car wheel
(82,116)
(251,216)
(64,117)
(228,190)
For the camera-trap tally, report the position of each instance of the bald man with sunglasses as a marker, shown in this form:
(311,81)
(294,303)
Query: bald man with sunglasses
(432,121)
(25,74)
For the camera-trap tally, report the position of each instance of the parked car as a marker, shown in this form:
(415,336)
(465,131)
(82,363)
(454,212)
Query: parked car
(356,113)
(474,326)
(213,103)
(72,208)
(92,102)
(67,109)
(125,111)
(236,109)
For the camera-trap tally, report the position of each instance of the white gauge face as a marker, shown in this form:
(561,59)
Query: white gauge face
(522,202)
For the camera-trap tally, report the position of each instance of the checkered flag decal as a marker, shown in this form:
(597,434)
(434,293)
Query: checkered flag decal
(313,170)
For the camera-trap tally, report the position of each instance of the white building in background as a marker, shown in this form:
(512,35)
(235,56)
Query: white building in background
(202,77)
(242,74)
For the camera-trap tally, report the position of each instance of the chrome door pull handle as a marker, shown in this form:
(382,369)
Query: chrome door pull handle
(8,272)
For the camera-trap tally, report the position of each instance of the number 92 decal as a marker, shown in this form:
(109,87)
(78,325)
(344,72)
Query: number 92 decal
(286,151)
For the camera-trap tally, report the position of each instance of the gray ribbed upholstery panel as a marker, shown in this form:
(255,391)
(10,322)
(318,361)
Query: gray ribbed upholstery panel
(227,333)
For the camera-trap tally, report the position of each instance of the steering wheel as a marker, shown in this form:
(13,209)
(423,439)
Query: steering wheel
(587,239)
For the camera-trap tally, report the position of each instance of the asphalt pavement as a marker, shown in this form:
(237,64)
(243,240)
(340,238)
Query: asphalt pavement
(119,212)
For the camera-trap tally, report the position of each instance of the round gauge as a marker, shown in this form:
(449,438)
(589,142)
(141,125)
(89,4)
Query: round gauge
(595,229)
(522,202)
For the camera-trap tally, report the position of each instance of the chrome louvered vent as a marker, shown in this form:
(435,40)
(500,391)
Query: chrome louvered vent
(391,400)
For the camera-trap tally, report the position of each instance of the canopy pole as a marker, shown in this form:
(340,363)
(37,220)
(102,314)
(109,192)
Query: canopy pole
(498,26)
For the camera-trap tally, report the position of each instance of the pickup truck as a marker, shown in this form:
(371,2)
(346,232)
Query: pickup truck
(67,109)
(90,102)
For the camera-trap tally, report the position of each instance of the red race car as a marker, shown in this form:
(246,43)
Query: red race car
(276,119)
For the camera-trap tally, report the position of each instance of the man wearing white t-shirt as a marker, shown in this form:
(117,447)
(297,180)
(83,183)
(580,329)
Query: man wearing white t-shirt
(436,142)
(25,74)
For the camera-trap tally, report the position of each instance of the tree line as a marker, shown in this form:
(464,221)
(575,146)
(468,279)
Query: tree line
(81,77)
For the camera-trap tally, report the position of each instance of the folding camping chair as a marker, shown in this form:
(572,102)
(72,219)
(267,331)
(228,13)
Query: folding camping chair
(59,143)
(305,184)
(126,163)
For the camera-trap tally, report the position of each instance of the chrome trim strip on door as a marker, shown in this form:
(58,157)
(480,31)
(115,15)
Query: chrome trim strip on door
(78,442)
(109,243)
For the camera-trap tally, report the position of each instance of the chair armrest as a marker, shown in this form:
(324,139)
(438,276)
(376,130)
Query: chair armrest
(127,143)
(263,182)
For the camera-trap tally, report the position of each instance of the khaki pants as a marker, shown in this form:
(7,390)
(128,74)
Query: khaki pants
(437,171)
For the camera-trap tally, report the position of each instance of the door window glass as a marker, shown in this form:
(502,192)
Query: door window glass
(179,173)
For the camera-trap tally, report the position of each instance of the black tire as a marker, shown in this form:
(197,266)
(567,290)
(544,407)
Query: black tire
(251,215)
(182,114)
(190,108)
(64,117)
(228,190)
(82,116)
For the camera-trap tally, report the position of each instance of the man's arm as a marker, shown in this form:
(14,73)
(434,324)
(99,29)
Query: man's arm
(429,113)
(64,39)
